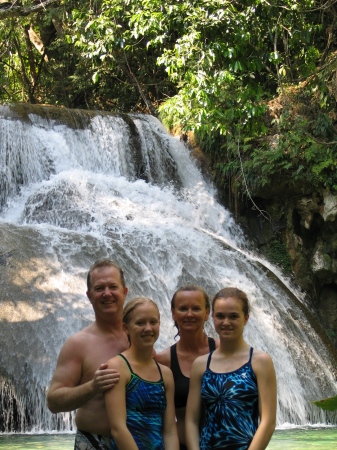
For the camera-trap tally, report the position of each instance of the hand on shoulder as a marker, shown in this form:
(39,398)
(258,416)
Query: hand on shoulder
(117,363)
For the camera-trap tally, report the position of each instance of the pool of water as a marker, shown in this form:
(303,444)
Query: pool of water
(293,439)
(304,439)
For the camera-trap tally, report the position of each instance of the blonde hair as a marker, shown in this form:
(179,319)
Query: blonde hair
(133,304)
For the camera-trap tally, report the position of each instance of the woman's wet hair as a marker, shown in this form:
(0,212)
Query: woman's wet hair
(233,292)
(189,288)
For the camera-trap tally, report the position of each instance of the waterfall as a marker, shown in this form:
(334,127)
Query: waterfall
(78,186)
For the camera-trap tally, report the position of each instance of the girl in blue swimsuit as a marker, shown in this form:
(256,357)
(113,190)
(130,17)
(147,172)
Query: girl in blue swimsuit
(141,406)
(235,383)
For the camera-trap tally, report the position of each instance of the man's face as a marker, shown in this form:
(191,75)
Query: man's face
(107,293)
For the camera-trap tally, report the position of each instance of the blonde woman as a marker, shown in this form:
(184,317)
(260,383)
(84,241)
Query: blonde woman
(141,407)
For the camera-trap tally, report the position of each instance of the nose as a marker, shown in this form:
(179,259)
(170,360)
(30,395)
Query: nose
(148,326)
(189,312)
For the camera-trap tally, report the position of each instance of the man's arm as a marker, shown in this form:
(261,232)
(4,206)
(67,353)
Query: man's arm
(66,392)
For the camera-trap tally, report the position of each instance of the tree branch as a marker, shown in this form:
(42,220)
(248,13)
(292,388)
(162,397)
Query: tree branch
(18,11)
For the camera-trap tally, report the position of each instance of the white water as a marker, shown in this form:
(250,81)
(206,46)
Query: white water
(72,196)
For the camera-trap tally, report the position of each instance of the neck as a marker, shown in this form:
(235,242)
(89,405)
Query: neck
(111,326)
(230,347)
(141,355)
(191,341)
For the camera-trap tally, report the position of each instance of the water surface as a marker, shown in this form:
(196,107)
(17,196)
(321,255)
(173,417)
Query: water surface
(294,439)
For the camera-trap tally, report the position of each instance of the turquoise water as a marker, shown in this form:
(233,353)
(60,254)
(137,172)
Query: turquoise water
(304,439)
(294,439)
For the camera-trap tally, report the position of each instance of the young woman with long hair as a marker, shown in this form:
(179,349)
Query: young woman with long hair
(140,406)
(235,385)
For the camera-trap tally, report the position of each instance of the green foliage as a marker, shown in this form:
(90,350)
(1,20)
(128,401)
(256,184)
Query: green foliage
(328,404)
(210,66)
(231,58)
(94,58)
(302,150)
(277,254)
(331,334)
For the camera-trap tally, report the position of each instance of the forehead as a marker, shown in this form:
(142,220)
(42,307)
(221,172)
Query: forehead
(145,310)
(189,298)
(230,304)
(105,274)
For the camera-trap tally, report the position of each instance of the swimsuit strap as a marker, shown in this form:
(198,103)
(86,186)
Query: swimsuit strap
(209,359)
(250,354)
(161,375)
(127,363)
(174,364)
(133,373)
(211,344)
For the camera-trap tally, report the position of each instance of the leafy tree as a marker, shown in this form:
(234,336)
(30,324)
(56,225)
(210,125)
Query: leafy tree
(92,58)
(211,66)
(235,56)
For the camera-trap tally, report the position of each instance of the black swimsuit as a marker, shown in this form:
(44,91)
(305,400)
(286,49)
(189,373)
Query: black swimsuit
(182,383)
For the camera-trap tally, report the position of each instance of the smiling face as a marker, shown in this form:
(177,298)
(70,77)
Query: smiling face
(142,323)
(190,311)
(107,292)
(229,317)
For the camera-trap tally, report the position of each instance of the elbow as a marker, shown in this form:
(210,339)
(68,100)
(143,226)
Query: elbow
(272,423)
(119,432)
(114,432)
(269,426)
(53,405)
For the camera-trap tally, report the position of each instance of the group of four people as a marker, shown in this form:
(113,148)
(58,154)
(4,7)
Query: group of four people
(199,394)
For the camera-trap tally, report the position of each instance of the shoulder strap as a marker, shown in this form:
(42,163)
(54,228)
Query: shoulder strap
(161,375)
(211,344)
(126,362)
(209,359)
(250,354)
(174,364)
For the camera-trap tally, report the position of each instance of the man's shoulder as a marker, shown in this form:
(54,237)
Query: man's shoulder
(81,336)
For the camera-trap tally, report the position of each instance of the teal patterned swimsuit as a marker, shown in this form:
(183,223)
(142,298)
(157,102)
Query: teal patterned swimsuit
(231,408)
(145,406)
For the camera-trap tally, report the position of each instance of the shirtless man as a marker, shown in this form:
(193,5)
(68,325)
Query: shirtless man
(81,376)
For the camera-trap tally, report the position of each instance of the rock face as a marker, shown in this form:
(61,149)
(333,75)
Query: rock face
(293,227)
(305,226)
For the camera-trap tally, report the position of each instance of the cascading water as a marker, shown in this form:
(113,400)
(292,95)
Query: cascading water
(79,186)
